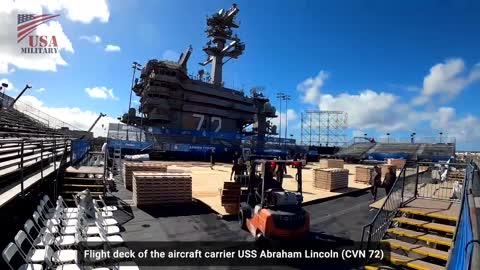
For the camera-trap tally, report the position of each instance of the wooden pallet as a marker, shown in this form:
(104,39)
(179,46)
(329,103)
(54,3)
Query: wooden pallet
(230,198)
(331,163)
(153,188)
(130,167)
(398,163)
(363,174)
(330,179)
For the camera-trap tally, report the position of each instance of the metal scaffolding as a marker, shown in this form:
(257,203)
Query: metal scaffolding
(323,128)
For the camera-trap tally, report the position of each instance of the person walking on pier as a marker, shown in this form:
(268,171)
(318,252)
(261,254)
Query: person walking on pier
(238,168)
(375,181)
(212,158)
(389,180)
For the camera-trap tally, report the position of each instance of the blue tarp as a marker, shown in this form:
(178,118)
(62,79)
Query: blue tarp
(123,144)
(79,149)
(384,156)
(461,254)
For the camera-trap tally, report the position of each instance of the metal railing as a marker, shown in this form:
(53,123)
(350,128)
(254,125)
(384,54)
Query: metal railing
(373,232)
(430,140)
(425,183)
(441,181)
(36,114)
(465,253)
(30,153)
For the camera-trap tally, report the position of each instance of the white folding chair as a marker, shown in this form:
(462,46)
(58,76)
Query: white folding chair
(100,211)
(105,221)
(48,204)
(107,207)
(50,224)
(61,202)
(27,248)
(35,235)
(16,261)
(50,258)
(111,239)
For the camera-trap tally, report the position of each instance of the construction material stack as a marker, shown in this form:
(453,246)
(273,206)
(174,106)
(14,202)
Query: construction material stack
(155,188)
(331,163)
(330,179)
(130,167)
(231,193)
(456,176)
(363,174)
(398,163)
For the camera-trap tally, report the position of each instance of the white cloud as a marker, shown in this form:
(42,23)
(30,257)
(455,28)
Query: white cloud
(447,80)
(465,129)
(84,11)
(291,116)
(41,89)
(311,87)
(100,92)
(73,116)
(92,39)
(170,55)
(112,48)
(368,109)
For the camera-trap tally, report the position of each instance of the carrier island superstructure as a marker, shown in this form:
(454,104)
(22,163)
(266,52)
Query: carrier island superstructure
(186,113)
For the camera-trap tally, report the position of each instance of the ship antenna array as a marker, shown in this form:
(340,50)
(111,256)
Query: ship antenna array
(219,31)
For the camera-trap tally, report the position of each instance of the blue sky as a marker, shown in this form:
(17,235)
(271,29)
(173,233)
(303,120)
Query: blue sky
(394,67)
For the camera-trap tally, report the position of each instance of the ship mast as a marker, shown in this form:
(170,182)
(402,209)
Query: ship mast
(219,31)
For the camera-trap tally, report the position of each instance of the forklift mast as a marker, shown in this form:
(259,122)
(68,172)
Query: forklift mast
(266,174)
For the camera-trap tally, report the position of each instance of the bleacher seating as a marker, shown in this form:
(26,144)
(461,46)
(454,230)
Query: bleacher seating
(393,148)
(14,124)
(410,151)
(28,151)
(435,152)
(355,151)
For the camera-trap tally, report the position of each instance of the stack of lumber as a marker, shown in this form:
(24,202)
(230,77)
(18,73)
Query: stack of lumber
(331,163)
(130,167)
(363,173)
(330,179)
(456,176)
(399,163)
(384,168)
(154,188)
(231,197)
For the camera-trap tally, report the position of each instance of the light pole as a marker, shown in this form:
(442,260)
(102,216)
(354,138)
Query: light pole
(388,137)
(412,139)
(441,133)
(135,66)
(280,96)
(286,98)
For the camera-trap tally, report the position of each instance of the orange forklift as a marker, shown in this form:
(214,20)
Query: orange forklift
(270,212)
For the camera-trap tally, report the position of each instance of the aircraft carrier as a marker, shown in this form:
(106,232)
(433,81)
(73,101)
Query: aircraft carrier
(183,113)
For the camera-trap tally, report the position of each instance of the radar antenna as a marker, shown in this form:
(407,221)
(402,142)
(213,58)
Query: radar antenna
(219,31)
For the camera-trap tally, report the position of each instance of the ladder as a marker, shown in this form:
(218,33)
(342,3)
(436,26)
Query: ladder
(117,160)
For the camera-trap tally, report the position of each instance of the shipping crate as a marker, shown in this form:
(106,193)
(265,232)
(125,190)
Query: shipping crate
(154,188)
(130,167)
(363,174)
(330,179)
(331,163)
(399,163)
